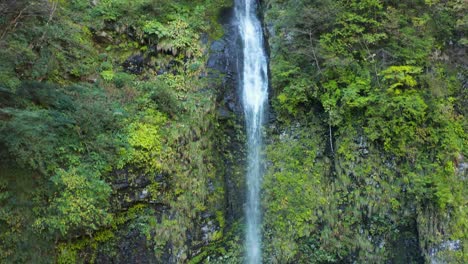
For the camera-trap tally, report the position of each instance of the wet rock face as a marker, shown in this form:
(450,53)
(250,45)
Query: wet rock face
(224,63)
(132,187)
(103,37)
(130,244)
(225,60)
(134,64)
(132,248)
(135,244)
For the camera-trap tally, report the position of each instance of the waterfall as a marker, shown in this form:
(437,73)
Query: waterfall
(254,87)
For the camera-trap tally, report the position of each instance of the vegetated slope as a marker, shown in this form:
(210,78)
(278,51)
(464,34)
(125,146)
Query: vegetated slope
(368,148)
(110,146)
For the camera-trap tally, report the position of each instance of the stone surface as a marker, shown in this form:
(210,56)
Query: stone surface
(224,62)
(134,64)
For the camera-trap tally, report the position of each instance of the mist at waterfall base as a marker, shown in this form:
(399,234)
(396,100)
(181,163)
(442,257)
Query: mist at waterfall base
(254,87)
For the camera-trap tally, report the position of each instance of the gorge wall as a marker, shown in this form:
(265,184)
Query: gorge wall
(122,136)
(122,130)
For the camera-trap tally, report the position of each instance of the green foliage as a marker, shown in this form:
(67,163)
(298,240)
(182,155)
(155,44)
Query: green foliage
(107,75)
(401,76)
(165,98)
(174,36)
(26,127)
(19,188)
(374,73)
(292,204)
(145,141)
(356,29)
(58,122)
(122,79)
(81,204)
(398,132)
(113,10)
(294,96)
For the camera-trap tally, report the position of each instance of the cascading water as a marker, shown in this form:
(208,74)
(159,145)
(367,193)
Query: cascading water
(254,86)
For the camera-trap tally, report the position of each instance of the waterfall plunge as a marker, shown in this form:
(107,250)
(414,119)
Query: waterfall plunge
(254,86)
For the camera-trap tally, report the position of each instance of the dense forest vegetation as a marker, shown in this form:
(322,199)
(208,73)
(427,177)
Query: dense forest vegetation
(116,145)
(367,152)
(107,131)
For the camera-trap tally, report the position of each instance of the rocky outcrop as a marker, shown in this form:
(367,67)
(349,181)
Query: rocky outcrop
(132,187)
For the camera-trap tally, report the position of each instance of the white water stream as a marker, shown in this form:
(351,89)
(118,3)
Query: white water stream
(254,86)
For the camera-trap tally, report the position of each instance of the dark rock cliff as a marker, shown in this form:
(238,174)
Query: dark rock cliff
(225,60)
